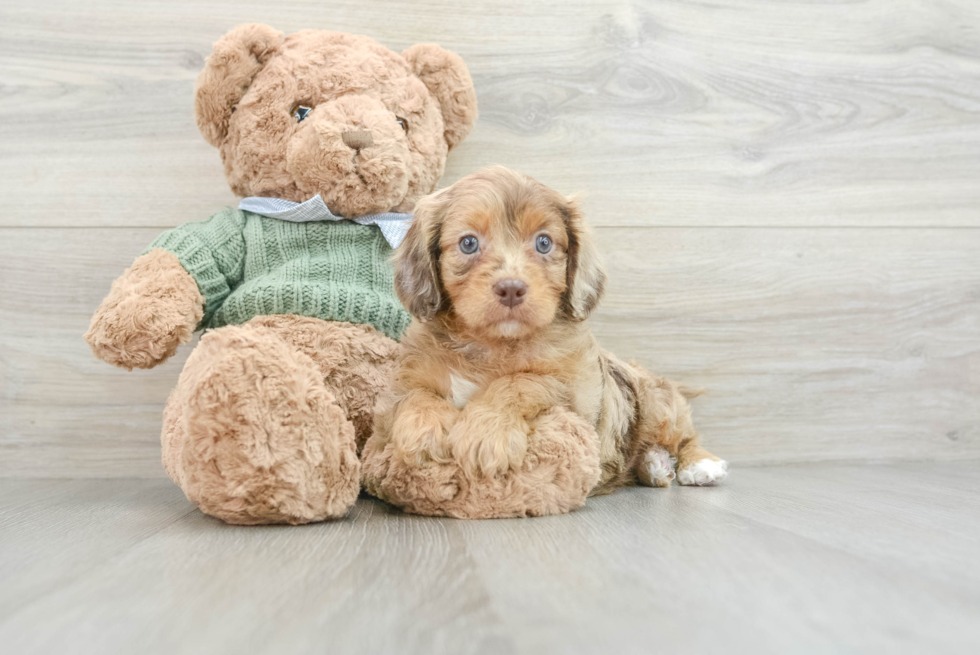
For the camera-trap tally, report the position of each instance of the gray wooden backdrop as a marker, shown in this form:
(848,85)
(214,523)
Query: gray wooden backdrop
(787,193)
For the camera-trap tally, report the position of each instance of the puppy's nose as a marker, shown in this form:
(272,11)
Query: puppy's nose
(357,139)
(510,292)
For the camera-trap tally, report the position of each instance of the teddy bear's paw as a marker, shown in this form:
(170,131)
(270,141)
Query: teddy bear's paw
(703,473)
(151,309)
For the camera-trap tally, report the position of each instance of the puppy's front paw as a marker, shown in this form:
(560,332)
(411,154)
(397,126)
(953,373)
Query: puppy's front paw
(487,443)
(703,473)
(418,438)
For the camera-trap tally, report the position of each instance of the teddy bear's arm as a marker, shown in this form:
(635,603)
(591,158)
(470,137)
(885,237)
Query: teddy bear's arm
(171,289)
(213,252)
(151,309)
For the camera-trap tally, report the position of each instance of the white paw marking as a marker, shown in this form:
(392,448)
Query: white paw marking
(660,465)
(704,473)
(462,390)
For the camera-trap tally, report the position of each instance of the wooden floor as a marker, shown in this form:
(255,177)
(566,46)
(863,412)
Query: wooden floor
(794,558)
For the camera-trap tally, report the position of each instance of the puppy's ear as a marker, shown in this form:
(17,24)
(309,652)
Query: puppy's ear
(586,276)
(227,74)
(417,279)
(449,82)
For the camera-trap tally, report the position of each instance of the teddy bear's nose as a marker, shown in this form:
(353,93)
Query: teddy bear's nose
(357,139)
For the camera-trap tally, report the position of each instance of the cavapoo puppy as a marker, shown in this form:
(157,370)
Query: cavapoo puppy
(500,272)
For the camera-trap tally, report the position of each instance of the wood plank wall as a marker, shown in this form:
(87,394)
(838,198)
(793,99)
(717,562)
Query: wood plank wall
(787,194)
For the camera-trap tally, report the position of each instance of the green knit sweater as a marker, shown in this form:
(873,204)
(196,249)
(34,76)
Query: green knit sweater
(248,265)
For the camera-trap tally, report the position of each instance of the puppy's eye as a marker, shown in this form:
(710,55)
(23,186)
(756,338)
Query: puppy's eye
(404,123)
(543,244)
(300,112)
(469,245)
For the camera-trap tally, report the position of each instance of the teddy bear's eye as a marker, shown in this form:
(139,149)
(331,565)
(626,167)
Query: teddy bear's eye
(300,112)
(401,121)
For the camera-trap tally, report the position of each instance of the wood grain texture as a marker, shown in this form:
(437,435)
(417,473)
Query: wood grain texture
(787,192)
(665,113)
(812,344)
(56,530)
(811,558)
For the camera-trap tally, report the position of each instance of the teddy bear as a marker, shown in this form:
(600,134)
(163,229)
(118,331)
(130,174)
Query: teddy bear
(330,138)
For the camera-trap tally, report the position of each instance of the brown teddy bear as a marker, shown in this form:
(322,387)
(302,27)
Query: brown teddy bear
(273,405)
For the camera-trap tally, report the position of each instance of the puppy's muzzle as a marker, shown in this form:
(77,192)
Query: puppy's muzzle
(510,292)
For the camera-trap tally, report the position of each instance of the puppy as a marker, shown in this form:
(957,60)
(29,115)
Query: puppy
(500,272)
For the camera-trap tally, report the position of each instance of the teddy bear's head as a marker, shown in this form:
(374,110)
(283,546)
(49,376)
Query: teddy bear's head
(332,114)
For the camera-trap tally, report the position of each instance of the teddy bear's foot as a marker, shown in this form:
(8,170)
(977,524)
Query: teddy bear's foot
(560,467)
(252,435)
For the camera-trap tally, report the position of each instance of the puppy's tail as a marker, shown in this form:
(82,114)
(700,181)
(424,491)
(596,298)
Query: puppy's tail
(690,392)
(685,390)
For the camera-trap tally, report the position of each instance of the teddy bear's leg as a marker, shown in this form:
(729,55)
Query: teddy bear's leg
(252,434)
(172,437)
(665,438)
(558,468)
(356,362)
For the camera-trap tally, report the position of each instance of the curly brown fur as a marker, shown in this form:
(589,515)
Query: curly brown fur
(151,309)
(517,360)
(264,423)
(255,77)
(356,362)
(559,468)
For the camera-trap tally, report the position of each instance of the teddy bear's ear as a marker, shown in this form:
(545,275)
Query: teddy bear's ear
(449,81)
(227,74)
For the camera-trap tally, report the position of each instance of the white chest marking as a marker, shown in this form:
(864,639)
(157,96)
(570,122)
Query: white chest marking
(462,390)
(509,328)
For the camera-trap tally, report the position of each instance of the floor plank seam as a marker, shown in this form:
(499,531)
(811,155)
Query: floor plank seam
(81,575)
